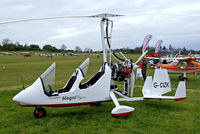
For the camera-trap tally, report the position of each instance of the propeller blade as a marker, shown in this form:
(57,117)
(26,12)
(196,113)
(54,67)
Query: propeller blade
(141,57)
(132,82)
(104,15)
(123,55)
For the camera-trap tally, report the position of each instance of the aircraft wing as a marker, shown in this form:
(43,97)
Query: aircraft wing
(157,58)
(179,58)
(187,58)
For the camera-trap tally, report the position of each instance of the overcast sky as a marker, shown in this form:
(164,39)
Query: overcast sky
(161,18)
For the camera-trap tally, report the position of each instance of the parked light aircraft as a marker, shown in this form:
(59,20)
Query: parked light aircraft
(100,88)
(182,65)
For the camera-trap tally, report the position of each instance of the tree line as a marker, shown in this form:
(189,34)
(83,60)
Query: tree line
(162,49)
(8,45)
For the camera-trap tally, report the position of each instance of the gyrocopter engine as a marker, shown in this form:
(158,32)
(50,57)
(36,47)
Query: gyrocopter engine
(122,71)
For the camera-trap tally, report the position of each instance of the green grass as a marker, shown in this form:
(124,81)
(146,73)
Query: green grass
(150,116)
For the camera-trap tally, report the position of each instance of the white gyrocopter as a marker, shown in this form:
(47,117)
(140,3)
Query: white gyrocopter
(100,88)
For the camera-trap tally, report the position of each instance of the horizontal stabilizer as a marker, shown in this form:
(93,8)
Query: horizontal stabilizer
(179,95)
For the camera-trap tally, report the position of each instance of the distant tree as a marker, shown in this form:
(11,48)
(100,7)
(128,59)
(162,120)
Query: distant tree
(50,48)
(6,41)
(26,47)
(184,50)
(179,51)
(63,47)
(160,48)
(78,49)
(170,48)
(19,47)
(47,47)
(164,49)
(87,49)
(34,47)
(1,47)
(9,47)
(17,43)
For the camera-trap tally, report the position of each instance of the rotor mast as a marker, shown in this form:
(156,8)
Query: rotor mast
(106,26)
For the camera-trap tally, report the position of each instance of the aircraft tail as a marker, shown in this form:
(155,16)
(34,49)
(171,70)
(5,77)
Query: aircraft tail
(160,84)
(154,89)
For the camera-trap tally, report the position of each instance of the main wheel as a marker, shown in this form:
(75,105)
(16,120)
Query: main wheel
(185,78)
(40,113)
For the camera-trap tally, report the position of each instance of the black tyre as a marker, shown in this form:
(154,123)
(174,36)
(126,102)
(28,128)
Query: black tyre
(40,113)
(181,78)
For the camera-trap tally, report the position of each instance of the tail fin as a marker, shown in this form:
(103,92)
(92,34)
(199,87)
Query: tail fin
(161,82)
(153,89)
(181,91)
(146,90)
(160,85)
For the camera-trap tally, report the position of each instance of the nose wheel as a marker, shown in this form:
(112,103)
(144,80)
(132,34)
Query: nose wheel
(39,113)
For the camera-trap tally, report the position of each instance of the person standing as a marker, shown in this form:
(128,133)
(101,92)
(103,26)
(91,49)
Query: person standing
(144,69)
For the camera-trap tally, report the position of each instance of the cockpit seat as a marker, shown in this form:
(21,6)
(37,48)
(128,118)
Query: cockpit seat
(69,85)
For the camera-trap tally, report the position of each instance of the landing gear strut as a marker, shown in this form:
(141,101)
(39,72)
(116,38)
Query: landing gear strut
(39,113)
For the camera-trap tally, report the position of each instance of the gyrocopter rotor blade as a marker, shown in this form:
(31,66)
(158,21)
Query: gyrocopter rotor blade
(103,15)
(106,15)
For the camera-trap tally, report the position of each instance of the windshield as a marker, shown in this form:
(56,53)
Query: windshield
(174,63)
(48,78)
(84,66)
(182,65)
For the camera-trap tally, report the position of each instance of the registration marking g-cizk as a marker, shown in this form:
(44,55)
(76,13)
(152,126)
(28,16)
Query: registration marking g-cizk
(161,85)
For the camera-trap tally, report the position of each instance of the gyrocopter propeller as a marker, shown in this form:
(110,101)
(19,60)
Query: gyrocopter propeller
(100,88)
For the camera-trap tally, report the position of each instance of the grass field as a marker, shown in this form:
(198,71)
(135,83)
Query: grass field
(150,116)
